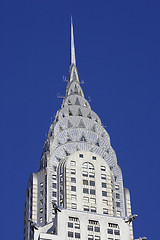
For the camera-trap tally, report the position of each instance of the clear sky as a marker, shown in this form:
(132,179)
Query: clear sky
(118,57)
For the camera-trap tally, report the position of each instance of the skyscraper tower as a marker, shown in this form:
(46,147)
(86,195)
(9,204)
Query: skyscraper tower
(78,190)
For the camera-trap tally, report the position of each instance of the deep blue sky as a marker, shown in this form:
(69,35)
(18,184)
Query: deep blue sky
(118,58)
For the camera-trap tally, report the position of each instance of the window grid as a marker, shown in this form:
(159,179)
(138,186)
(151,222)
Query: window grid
(74,228)
(88,187)
(93,230)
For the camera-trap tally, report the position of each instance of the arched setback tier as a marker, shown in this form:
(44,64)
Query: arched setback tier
(86,183)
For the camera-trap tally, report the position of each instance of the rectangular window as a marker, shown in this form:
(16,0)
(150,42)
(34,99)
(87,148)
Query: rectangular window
(70,224)
(117,187)
(86,199)
(116,232)
(54,177)
(91,175)
(97,238)
(91,167)
(97,229)
(118,204)
(118,195)
(73,180)
(85,165)
(73,163)
(92,183)
(85,182)
(104,193)
(41,193)
(54,185)
(41,220)
(77,235)
(41,210)
(92,191)
(105,201)
(85,174)
(94,157)
(61,196)
(103,168)
(105,211)
(73,197)
(113,225)
(54,168)
(90,237)
(118,213)
(41,184)
(92,200)
(110,231)
(73,188)
(54,194)
(93,222)
(93,209)
(61,179)
(73,171)
(85,190)
(90,228)
(81,155)
(74,206)
(70,234)
(41,201)
(74,219)
(77,226)
(103,176)
(86,208)
(104,185)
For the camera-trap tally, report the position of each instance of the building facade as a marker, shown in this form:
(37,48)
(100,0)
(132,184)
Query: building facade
(78,191)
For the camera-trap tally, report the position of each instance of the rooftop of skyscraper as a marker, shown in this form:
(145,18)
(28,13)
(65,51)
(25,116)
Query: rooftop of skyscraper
(117,52)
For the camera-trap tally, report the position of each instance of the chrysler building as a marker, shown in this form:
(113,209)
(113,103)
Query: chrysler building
(78,191)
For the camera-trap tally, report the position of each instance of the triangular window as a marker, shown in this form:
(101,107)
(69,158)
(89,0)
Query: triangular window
(58,159)
(70,113)
(80,93)
(68,138)
(77,102)
(79,112)
(81,124)
(75,89)
(74,76)
(56,119)
(93,128)
(60,128)
(97,143)
(69,102)
(67,153)
(89,116)
(77,148)
(69,124)
(83,139)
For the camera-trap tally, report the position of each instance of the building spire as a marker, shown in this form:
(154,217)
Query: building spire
(73,57)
